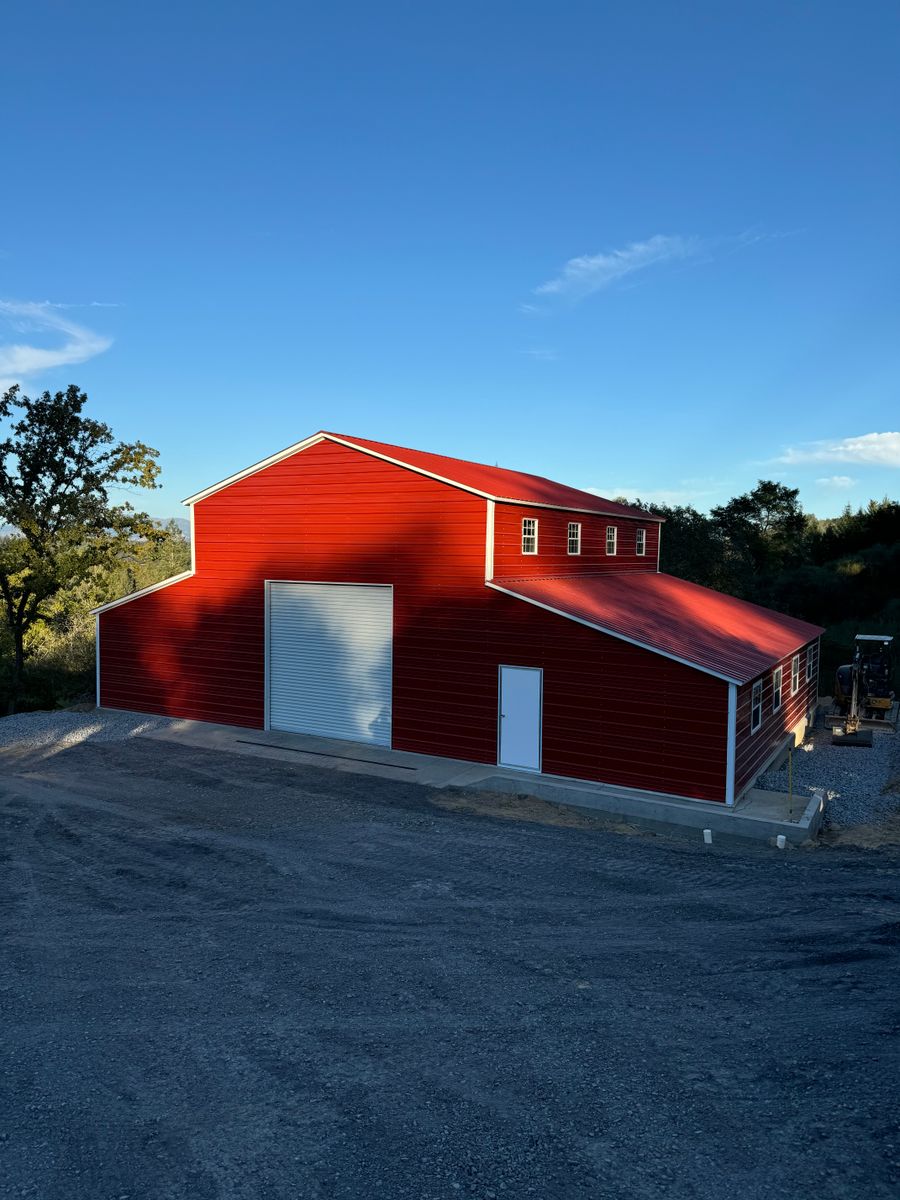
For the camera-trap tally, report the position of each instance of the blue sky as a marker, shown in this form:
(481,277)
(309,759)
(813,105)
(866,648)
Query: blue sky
(649,249)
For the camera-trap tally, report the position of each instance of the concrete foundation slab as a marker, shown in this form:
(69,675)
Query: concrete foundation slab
(758,815)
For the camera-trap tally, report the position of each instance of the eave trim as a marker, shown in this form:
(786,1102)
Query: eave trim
(613,633)
(154,587)
(298,447)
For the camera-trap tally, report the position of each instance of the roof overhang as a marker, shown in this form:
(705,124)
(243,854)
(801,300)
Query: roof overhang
(322,436)
(154,587)
(561,612)
(684,622)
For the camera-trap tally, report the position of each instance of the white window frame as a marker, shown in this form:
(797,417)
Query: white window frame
(640,542)
(756,706)
(812,661)
(777,688)
(795,674)
(614,530)
(529,535)
(573,537)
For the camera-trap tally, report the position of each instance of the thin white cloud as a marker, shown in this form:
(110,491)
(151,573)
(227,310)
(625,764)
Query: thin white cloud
(836,482)
(873,449)
(590,273)
(19,360)
(688,492)
(541,354)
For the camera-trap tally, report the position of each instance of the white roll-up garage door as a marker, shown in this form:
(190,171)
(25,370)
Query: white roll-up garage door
(330,660)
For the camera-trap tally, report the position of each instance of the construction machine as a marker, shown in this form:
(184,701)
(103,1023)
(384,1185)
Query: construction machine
(863,697)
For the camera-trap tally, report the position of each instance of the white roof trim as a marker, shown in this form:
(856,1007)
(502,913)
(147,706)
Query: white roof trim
(154,587)
(612,633)
(260,466)
(399,462)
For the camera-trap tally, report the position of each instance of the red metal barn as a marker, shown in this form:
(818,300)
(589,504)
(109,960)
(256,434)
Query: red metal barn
(358,590)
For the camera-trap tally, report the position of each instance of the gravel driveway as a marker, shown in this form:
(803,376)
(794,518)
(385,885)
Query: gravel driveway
(860,783)
(232,978)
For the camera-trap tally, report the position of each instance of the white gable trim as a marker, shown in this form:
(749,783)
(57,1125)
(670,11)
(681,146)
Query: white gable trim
(398,462)
(154,587)
(612,633)
(260,466)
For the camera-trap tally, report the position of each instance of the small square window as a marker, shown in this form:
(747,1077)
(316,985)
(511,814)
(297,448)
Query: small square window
(777,678)
(611,539)
(756,706)
(640,541)
(529,535)
(795,674)
(573,545)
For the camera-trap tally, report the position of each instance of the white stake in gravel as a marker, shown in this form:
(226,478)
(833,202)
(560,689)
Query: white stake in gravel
(781,841)
(707,836)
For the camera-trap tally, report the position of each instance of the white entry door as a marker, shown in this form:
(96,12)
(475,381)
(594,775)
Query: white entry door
(520,717)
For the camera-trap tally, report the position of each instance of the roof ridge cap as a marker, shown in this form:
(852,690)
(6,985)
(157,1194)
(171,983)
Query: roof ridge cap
(625,510)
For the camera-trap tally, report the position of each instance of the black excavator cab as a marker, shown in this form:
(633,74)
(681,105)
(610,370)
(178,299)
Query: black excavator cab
(863,691)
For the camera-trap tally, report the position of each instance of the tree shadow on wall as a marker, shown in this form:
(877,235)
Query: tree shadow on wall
(197,650)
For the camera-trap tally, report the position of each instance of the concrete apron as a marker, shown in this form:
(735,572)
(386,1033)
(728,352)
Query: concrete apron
(758,815)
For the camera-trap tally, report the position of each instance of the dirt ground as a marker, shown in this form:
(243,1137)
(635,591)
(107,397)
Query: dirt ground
(883,834)
(233,978)
(880,834)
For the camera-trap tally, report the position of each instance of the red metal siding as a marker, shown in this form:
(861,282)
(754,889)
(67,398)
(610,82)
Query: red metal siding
(707,629)
(196,649)
(752,750)
(553,558)
(612,712)
(499,482)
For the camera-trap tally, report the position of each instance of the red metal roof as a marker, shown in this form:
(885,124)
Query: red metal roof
(497,482)
(715,633)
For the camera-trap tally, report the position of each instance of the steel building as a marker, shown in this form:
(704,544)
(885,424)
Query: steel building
(358,590)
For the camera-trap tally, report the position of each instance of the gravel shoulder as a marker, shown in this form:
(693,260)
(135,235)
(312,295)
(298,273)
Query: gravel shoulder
(31,731)
(862,785)
(235,978)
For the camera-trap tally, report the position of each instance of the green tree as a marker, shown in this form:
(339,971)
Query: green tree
(689,544)
(877,523)
(57,468)
(762,532)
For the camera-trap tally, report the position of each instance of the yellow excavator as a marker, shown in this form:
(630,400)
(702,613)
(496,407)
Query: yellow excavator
(863,696)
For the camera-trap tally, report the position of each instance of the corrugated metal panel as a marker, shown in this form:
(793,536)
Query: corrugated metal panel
(330,660)
(490,482)
(713,632)
(754,749)
(498,482)
(600,696)
(553,558)
(197,648)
